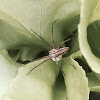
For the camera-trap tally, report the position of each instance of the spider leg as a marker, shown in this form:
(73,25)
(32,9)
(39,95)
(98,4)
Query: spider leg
(36,66)
(59,67)
(40,58)
(43,39)
(63,42)
(67,62)
(52,37)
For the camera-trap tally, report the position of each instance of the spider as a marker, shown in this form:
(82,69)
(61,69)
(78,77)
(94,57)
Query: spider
(54,53)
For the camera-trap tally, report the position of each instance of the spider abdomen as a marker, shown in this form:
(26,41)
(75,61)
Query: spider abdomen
(54,53)
(61,51)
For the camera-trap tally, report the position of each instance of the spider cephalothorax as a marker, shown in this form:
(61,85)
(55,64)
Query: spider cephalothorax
(54,54)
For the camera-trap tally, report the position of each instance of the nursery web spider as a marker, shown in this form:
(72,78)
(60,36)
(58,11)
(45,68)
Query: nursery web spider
(54,53)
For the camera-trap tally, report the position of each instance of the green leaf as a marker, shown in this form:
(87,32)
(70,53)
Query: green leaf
(75,80)
(59,91)
(8,71)
(94,81)
(94,96)
(89,13)
(93,37)
(29,52)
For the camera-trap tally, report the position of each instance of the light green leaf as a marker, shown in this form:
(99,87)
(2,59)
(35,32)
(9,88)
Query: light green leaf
(16,20)
(89,13)
(37,85)
(19,17)
(75,80)
(27,15)
(12,33)
(8,71)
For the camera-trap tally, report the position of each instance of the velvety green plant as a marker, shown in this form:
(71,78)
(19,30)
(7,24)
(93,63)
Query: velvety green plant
(19,46)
